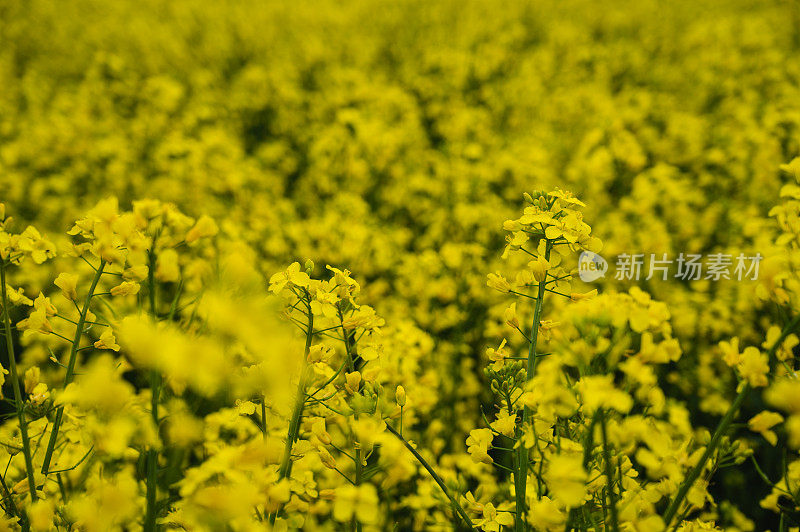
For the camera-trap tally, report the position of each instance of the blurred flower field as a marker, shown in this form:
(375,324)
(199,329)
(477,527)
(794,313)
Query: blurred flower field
(318,265)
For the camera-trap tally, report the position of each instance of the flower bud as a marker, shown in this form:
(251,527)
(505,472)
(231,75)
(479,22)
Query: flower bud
(400,396)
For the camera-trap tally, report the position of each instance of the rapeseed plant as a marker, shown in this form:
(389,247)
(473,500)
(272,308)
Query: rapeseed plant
(158,373)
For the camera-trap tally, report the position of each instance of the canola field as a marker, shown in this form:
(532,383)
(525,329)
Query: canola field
(364,265)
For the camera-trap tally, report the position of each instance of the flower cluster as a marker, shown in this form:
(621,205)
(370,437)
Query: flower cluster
(151,381)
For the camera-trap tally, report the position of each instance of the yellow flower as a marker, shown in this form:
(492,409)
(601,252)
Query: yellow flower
(352,382)
(546,327)
(754,367)
(785,395)
(492,520)
(497,356)
(32,377)
(505,423)
(39,394)
(566,197)
(17,296)
(730,351)
(364,318)
(125,288)
(574,296)
(478,445)
(38,247)
(168,269)
(784,350)
(107,341)
(68,283)
(566,479)
(36,322)
(598,391)
(204,228)
(793,167)
(359,502)
(539,267)
(367,430)
(43,303)
(763,422)
(510,316)
(498,282)
(318,430)
(135,273)
(546,514)
(292,276)
(326,458)
(41,514)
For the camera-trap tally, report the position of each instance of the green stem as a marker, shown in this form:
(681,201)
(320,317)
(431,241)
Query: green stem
(588,447)
(459,510)
(10,498)
(70,375)
(351,365)
(724,423)
(359,478)
(155,391)
(697,470)
(18,403)
(521,476)
(263,423)
(285,469)
(612,503)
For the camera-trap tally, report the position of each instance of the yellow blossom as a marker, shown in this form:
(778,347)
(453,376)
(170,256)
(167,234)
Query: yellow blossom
(204,228)
(754,367)
(478,445)
(67,282)
(359,502)
(498,282)
(492,519)
(125,288)
(763,422)
(566,479)
(107,341)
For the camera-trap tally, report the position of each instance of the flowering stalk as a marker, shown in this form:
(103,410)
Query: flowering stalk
(300,401)
(351,365)
(155,386)
(521,476)
(18,404)
(458,508)
(612,499)
(73,356)
(720,431)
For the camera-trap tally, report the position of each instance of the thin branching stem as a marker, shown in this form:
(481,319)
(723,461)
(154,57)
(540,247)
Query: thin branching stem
(720,431)
(458,508)
(612,499)
(19,405)
(285,469)
(155,393)
(521,474)
(73,356)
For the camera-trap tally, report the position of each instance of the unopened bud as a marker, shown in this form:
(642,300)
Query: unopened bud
(400,396)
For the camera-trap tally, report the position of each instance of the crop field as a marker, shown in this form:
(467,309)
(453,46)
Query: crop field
(373,265)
